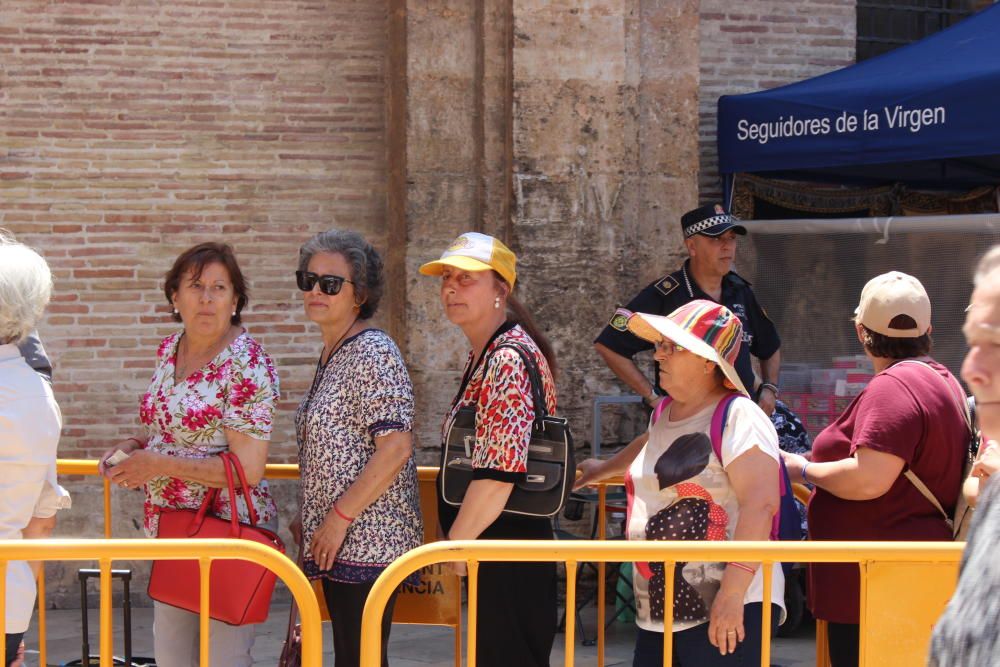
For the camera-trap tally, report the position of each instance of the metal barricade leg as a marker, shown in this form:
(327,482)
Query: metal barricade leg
(85,622)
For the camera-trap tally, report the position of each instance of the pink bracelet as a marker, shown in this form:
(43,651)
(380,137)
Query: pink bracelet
(139,442)
(745,568)
(343,516)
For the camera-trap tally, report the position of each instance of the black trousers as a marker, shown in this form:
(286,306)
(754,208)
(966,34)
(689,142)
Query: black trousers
(346,603)
(12,643)
(843,644)
(516,614)
(691,646)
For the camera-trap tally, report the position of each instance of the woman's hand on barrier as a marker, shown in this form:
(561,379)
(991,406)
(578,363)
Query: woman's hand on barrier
(591,471)
(327,540)
(295,527)
(140,467)
(725,623)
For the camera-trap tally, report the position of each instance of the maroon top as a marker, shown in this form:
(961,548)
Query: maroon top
(904,411)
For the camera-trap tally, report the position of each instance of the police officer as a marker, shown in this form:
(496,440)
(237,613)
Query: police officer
(710,237)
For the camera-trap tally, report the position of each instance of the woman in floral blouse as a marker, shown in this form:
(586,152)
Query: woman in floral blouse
(517,601)
(360,503)
(214,390)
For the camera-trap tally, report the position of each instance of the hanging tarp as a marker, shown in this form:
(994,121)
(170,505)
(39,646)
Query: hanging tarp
(930,109)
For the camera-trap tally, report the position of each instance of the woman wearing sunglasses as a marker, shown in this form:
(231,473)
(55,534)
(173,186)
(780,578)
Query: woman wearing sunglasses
(680,487)
(517,601)
(360,505)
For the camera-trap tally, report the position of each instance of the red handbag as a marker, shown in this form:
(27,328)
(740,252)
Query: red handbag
(239,591)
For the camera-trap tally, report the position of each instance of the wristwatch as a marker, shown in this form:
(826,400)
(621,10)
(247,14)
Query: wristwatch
(773,387)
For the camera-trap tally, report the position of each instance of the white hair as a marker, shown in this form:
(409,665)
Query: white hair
(987,263)
(25,287)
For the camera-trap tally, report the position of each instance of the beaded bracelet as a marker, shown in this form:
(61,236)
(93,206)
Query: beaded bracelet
(343,516)
(805,467)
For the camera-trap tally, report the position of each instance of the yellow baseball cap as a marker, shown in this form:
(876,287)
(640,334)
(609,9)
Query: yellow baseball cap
(473,251)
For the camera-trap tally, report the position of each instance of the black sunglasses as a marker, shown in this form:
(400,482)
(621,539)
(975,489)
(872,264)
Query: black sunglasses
(328,285)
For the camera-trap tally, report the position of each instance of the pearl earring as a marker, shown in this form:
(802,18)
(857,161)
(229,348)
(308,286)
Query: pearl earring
(234,313)
(496,303)
(175,312)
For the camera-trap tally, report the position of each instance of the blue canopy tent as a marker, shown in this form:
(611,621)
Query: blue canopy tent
(927,115)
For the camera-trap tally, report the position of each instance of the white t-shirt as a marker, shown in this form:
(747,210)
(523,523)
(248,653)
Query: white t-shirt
(679,490)
(29,435)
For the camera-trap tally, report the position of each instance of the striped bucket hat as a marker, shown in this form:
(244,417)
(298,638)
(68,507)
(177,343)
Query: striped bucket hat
(706,328)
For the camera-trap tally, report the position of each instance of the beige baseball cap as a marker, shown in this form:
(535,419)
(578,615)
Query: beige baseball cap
(890,295)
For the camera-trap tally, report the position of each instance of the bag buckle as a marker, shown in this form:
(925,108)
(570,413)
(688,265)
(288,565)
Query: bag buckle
(468,446)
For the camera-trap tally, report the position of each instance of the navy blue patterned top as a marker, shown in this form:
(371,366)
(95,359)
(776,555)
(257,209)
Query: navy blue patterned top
(363,391)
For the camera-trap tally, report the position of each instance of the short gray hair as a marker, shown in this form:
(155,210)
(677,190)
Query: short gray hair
(365,262)
(25,288)
(986,265)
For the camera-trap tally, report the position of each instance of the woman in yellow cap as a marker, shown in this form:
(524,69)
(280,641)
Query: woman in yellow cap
(517,601)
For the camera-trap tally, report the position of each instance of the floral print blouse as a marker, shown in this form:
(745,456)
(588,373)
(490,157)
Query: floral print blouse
(237,390)
(361,393)
(501,393)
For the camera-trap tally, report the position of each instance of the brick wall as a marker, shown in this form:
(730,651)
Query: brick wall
(132,130)
(761,44)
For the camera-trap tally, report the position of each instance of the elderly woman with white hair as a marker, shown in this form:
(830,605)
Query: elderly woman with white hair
(965,635)
(30,434)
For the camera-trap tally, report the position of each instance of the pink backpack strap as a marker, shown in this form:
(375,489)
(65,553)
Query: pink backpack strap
(719,422)
(660,407)
(718,426)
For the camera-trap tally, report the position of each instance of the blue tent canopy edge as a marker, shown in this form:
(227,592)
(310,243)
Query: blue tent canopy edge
(927,114)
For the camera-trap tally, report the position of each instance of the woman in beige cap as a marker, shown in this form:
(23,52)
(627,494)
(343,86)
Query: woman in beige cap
(517,601)
(909,418)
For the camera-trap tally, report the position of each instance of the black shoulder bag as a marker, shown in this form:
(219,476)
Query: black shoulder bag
(551,462)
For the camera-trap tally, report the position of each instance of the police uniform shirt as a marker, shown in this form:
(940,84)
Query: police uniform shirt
(665,295)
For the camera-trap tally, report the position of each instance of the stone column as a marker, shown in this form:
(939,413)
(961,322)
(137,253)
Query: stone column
(605,150)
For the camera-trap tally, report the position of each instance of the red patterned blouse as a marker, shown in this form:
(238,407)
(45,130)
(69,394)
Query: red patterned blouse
(500,390)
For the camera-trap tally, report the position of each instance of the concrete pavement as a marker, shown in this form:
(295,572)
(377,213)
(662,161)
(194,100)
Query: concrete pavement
(409,646)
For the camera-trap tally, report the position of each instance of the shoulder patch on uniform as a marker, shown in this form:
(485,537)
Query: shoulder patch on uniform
(667,285)
(619,321)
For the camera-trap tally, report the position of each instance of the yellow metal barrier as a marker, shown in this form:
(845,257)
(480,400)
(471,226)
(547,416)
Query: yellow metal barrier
(444,607)
(876,598)
(437,604)
(106,551)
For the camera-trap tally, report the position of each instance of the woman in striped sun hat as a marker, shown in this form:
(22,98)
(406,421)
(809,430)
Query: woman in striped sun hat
(682,486)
